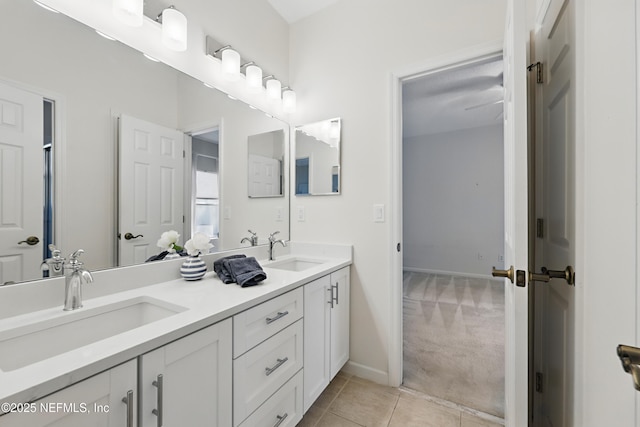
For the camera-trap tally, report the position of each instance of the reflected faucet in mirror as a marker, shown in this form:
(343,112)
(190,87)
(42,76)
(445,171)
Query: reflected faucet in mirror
(253,239)
(272,242)
(73,283)
(54,265)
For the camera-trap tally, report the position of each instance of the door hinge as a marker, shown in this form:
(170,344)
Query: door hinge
(538,67)
(539,228)
(183,219)
(539,382)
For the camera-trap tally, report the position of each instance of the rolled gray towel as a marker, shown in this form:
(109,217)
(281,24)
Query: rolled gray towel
(245,271)
(222,271)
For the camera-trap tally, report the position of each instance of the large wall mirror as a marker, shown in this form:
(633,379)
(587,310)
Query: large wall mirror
(77,94)
(317,158)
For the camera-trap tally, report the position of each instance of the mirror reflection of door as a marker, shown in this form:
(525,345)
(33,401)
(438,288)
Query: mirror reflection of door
(26,148)
(205,192)
(302,175)
(151,172)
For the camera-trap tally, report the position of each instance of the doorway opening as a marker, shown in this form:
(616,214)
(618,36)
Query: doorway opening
(453,233)
(205,184)
(48,147)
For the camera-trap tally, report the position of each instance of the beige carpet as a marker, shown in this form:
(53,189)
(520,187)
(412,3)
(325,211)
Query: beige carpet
(454,339)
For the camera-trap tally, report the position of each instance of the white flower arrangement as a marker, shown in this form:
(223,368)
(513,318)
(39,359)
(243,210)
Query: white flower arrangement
(169,241)
(198,244)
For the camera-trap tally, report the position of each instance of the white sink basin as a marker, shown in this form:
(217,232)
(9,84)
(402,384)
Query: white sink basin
(295,264)
(41,340)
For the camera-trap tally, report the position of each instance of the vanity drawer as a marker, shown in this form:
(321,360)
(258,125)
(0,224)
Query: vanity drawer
(258,323)
(284,407)
(260,372)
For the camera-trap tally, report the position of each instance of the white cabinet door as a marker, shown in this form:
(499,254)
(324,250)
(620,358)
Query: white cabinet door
(189,382)
(317,334)
(340,290)
(96,401)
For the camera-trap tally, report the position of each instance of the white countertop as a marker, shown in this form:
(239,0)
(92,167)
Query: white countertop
(206,301)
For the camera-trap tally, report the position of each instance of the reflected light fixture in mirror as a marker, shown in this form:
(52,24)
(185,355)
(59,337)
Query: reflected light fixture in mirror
(254,78)
(231,64)
(174,29)
(129,12)
(274,89)
(288,100)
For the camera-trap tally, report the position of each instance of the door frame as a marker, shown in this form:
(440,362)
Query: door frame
(441,63)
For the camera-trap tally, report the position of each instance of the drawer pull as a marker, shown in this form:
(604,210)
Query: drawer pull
(269,371)
(280,315)
(281,419)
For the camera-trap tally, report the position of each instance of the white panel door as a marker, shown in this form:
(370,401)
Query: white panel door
(516,214)
(555,205)
(340,324)
(150,187)
(21,183)
(264,176)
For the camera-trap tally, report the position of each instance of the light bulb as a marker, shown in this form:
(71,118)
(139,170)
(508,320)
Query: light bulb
(334,130)
(254,78)
(289,101)
(231,64)
(128,12)
(274,89)
(174,29)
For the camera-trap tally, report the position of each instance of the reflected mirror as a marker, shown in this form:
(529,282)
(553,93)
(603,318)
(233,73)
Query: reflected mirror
(64,92)
(317,158)
(265,164)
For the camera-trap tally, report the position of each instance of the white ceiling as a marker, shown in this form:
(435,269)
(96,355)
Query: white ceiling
(461,98)
(294,10)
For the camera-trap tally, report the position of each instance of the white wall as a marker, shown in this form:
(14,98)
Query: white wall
(453,214)
(341,64)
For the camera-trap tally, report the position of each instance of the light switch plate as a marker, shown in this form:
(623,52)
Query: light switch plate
(378,213)
(301,214)
(227,212)
(279,214)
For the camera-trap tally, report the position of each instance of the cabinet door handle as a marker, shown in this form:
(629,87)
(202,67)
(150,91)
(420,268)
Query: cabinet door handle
(280,315)
(281,419)
(128,400)
(269,371)
(336,286)
(158,383)
(331,299)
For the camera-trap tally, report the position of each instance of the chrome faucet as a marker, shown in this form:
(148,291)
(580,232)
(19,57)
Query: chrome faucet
(73,285)
(272,242)
(253,239)
(55,264)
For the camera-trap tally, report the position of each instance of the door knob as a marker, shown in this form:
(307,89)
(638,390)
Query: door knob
(503,273)
(129,236)
(630,358)
(31,241)
(546,275)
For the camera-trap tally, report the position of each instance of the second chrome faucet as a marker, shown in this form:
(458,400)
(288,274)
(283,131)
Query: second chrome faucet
(75,276)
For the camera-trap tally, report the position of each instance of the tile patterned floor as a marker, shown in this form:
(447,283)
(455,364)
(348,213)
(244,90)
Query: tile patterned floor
(350,401)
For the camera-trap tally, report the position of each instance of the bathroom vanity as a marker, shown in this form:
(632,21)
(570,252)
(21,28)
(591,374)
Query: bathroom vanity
(143,352)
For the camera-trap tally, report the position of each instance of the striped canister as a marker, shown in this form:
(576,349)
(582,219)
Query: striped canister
(193,268)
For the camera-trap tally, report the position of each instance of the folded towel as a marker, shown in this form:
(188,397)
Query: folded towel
(245,271)
(223,273)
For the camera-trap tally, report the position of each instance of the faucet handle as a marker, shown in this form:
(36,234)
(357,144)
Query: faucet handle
(255,234)
(73,258)
(272,235)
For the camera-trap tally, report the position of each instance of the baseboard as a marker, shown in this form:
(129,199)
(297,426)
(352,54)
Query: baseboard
(450,273)
(366,372)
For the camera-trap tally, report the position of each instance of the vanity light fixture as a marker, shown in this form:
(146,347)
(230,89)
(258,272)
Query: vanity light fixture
(129,12)
(274,88)
(288,100)
(230,64)
(44,6)
(174,29)
(334,129)
(254,77)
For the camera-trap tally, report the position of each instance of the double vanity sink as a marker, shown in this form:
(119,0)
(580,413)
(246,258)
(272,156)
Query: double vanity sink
(45,350)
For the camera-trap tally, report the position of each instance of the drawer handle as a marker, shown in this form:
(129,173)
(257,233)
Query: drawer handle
(281,419)
(280,315)
(128,400)
(159,384)
(281,362)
